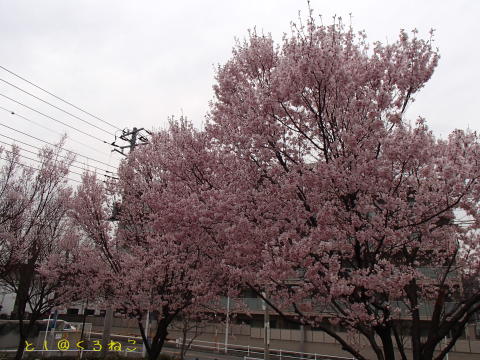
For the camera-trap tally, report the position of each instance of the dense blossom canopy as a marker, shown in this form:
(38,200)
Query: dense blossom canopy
(351,210)
(308,185)
(159,256)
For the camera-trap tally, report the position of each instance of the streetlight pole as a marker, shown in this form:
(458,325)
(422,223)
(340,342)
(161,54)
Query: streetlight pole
(266,329)
(227,324)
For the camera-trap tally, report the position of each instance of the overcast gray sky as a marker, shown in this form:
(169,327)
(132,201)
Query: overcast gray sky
(134,63)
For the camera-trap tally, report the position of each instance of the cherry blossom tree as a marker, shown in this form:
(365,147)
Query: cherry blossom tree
(348,214)
(33,226)
(160,257)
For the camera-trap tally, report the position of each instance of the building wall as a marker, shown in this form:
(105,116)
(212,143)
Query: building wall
(7,300)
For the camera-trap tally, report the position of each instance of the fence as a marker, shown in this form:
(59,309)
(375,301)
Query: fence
(253,352)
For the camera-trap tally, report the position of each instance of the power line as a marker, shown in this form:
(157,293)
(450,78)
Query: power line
(11,112)
(34,168)
(52,118)
(39,161)
(85,168)
(46,142)
(70,171)
(56,107)
(38,148)
(59,98)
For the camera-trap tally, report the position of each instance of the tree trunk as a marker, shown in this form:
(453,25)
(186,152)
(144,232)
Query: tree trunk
(153,350)
(21,346)
(25,274)
(25,280)
(387,343)
(412,294)
(427,354)
(157,343)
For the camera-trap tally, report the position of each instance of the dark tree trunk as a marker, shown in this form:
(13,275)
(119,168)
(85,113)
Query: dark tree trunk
(387,343)
(154,349)
(26,274)
(21,346)
(412,294)
(158,340)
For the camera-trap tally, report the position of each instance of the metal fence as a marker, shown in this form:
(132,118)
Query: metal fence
(252,352)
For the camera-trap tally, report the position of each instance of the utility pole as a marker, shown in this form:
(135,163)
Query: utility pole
(131,137)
